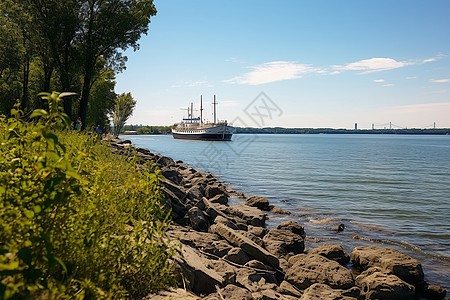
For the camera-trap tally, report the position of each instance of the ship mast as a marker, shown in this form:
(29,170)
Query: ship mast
(201,110)
(214,103)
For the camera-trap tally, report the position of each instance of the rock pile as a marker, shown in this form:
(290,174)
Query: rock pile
(227,253)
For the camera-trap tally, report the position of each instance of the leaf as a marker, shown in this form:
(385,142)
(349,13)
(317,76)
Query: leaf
(66,94)
(38,113)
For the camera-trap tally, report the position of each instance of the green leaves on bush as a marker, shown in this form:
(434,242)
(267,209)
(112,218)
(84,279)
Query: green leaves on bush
(76,221)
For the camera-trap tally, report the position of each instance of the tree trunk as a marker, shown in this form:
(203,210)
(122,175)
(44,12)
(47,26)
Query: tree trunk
(25,80)
(85,96)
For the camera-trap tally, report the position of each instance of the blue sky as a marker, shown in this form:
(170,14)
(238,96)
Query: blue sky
(322,63)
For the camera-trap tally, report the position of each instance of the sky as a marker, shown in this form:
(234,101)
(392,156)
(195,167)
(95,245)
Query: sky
(294,63)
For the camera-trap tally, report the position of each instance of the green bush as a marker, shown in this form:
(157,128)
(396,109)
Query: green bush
(76,221)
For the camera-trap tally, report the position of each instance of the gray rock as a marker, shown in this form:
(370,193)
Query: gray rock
(283,242)
(279,210)
(318,269)
(194,193)
(377,285)
(171,174)
(390,261)
(237,255)
(320,291)
(258,202)
(251,215)
(434,292)
(197,219)
(293,227)
(255,281)
(199,277)
(333,252)
(214,190)
(288,289)
(245,244)
(174,294)
(231,292)
(221,199)
(270,295)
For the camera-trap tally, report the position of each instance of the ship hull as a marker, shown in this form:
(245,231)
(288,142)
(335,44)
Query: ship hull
(203,136)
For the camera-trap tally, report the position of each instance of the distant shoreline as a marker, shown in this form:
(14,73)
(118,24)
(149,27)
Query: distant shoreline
(280,130)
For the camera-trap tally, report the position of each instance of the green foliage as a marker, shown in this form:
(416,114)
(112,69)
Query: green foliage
(123,108)
(76,221)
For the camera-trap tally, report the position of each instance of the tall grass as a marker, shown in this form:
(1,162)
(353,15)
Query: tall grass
(76,220)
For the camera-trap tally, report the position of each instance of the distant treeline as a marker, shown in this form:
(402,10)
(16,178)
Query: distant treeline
(280,130)
(148,129)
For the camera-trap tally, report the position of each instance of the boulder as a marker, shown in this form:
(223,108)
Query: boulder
(258,202)
(389,261)
(245,244)
(214,190)
(251,215)
(221,199)
(177,190)
(288,289)
(231,292)
(237,255)
(255,281)
(434,292)
(199,277)
(174,294)
(283,242)
(320,291)
(257,231)
(270,294)
(333,252)
(194,193)
(293,259)
(377,285)
(197,219)
(165,161)
(279,210)
(318,269)
(293,227)
(171,174)
(226,221)
(212,209)
(257,265)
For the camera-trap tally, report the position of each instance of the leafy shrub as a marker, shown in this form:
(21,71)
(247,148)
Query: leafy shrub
(76,221)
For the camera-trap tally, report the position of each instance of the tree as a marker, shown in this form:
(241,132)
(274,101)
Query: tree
(107,27)
(123,109)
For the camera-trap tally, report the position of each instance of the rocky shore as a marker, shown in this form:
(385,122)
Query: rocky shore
(228,253)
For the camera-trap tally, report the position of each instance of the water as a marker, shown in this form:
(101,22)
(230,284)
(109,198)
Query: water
(395,189)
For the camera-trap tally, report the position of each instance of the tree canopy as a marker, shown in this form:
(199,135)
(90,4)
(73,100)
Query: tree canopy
(68,45)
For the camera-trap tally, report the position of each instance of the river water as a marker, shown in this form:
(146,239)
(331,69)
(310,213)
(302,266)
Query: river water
(392,189)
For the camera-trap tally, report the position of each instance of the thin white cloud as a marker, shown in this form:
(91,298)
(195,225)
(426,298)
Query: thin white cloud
(388,84)
(272,72)
(431,59)
(379,80)
(191,83)
(371,65)
(440,80)
(411,77)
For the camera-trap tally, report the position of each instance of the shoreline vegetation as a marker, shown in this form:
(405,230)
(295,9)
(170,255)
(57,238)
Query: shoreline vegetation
(87,216)
(144,130)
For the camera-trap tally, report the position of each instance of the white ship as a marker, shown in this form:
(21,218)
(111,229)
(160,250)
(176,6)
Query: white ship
(195,129)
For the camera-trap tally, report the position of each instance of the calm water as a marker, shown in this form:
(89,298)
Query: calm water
(395,189)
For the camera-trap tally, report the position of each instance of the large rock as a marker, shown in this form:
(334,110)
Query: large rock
(320,291)
(193,267)
(377,285)
(293,227)
(270,294)
(231,292)
(214,190)
(173,294)
(318,269)
(288,289)
(255,281)
(252,215)
(282,242)
(333,252)
(221,199)
(390,261)
(171,174)
(237,255)
(197,219)
(258,202)
(245,244)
